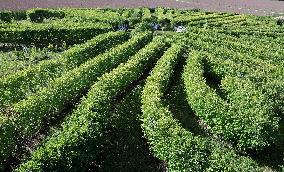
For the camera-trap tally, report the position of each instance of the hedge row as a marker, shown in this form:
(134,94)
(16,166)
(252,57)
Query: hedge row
(86,16)
(184,20)
(212,20)
(265,72)
(267,78)
(258,64)
(35,15)
(28,115)
(238,21)
(23,83)
(8,16)
(146,15)
(169,140)
(254,40)
(135,17)
(237,32)
(38,15)
(241,62)
(54,33)
(225,62)
(160,13)
(265,52)
(79,138)
(246,118)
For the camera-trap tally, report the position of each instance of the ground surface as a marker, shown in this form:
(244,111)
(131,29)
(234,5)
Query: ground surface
(255,7)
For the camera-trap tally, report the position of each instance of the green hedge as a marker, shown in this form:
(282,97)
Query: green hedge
(8,16)
(187,19)
(29,115)
(80,135)
(19,85)
(55,33)
(245,118)
(266,77)
(86,16)
(264,70)
(38,15)
(264,51)
(208,22)
(181,149)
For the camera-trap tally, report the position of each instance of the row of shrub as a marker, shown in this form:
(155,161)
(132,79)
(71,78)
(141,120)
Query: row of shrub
(243,61)
(146,15)
(238,21)
(78,142)
(28,116)
(185,19)
(248,62)
(35,15)
(263,78)
(254,63)
(87,16)
(255,31)
(8,16)
(269,52)
(55,33)
(220,33)
(17,86)
(181,149)
(245,117)
(266,77)
(38,15)
(213,21)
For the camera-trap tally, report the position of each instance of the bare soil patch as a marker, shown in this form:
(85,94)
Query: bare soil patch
(255,7)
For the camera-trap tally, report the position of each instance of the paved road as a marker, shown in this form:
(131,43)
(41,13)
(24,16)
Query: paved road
(255,7)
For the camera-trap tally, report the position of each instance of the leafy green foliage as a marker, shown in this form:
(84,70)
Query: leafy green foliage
(56,33)
(9,16)
(85,125)
(169,140)
(223,112)
(23,83)
(29,114)
(38,15)
(16,60)
(247,118)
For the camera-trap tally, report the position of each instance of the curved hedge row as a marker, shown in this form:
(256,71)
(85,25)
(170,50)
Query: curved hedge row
(207,22)
(266,77)
(264,71)
(237,32)
(17,86)
(267,74)
(184,20)
(80,135)
(208,43)
(248,40)
(28,115)
(247,118)
(170,141)
(234,83)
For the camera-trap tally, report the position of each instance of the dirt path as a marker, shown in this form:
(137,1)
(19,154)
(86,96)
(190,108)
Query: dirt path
(255,7)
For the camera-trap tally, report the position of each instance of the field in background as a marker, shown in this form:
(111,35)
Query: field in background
(254,7)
